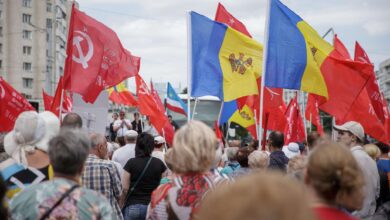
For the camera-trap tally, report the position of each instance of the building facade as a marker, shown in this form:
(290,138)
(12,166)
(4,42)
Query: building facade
(33,34)
(383,76)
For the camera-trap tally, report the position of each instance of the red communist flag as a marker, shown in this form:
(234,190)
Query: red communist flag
(337,70)
(372,84)
(147,105)
(294,130)
(312,113)
(47,100)
(387,118)
(225,17)
(96,58)
(12,103)
(67,102)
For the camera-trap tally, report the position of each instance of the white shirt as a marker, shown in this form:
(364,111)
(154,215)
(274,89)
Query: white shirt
(123,154)
(371,178)
(121,130)
(159,154)
(119,167)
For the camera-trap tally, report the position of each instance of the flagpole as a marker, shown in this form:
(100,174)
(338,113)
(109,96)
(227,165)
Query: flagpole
(257,126)
(61,103)
(302,97)
(194,110)
(265,48)
(310,122)
(220,112)
(165,143)
(189,65)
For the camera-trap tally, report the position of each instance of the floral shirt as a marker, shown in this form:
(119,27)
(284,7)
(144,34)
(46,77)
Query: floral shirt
(82,203)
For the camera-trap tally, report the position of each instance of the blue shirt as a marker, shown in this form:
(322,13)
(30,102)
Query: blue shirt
(383,165)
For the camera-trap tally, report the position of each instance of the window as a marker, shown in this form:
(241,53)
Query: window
(26,18)
(27,35)
(61,70)
(27,67)
(1,13)
(1,31)
(1,64)
(27,83)
(49,68)
(48,6)
(48,23)
(1,48)
(26,50)
(26,3)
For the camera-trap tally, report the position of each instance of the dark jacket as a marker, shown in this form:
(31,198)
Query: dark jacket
(278,161)
(137,126)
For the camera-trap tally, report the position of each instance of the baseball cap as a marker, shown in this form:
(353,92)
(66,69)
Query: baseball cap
(159,140)
(352,126)
(291,150)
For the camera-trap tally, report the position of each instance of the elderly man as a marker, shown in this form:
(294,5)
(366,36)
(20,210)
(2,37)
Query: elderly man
(125,153)
(102,175)
(63,197)
(120,126)
(351,134)
(72,120)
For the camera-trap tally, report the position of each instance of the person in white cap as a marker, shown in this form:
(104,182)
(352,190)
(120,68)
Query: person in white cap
(291,150)
(125,153)
(351,134)
(158,151)
(27,144)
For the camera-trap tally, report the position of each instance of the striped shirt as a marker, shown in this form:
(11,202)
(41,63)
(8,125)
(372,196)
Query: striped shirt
(103,176)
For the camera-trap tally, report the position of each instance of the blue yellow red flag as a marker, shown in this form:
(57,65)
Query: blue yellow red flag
(225,62)
(295,53)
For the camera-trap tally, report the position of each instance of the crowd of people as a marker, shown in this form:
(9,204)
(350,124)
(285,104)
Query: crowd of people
(53,170)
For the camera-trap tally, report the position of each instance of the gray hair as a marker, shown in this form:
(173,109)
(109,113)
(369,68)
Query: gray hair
(231,153)
(68,151)
(96,139)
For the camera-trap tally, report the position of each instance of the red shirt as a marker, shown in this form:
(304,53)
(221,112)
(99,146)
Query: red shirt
(330,213)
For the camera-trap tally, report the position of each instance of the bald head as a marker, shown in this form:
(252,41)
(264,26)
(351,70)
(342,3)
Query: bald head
(72,120)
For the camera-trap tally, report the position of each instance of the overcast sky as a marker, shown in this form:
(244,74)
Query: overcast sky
(156,30)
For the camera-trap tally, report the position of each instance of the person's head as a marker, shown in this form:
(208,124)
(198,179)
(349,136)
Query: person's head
(170,118)
(350,133)
(31,131)
(114,116)
(130,136)
(296,167)
(372,150)
(242,157)
(68,152)
(276,140)
(145,145)
(291,150)
(383,148)
(159,142)
(273,197)
(312,139)
(72,120)
(122,115)
(231,153)
(334,175)
(98,145)
(194,148)
(253,145)
(136,116)
(258,160)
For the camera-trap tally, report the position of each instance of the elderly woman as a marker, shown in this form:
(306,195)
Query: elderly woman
(194,148)
(27,144)
(63,197)
(141,176)
(336,180)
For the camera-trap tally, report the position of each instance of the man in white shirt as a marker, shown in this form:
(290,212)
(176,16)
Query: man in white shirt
(158,151)
(351,134)
(120,126)
(125,153)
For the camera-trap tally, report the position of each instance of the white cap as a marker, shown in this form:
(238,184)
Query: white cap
(131,133)
(291,150)
(352,126)
(159,140)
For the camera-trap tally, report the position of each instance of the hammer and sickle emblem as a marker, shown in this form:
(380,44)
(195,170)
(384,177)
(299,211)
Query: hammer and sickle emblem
(83,58)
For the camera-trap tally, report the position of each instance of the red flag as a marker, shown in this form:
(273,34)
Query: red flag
(156,97)
(313,114)
(96,58)
(363,112)
(277,120)
(12,103)
(218,132)
(169,132)
(295,130)
(372,84)
(386,115)
(124,98)
(337,70)
(47,100)
(67,103)
(147,105)
(341,49)
(225,17)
